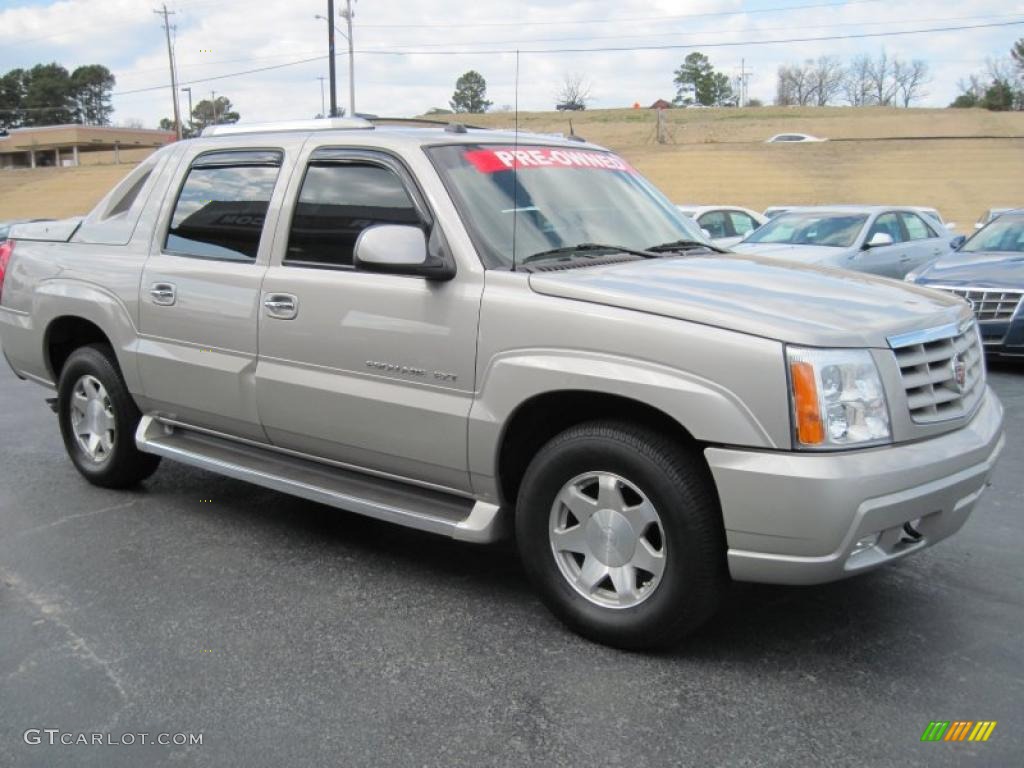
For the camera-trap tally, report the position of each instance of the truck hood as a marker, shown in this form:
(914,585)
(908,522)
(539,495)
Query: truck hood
(795,303)
(805,254)
(993,269)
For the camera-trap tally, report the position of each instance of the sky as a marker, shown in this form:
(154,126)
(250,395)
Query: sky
(444,38)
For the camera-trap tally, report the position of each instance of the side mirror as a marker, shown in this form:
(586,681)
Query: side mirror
(879,240)
(399,249)
(957,242)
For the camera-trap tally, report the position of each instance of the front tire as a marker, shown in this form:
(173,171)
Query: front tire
(98,419)
(619,529)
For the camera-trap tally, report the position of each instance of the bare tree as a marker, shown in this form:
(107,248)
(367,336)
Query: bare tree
(881,74)
(857,82)
(910,80)
(826,79)
(793,85)
(574,92)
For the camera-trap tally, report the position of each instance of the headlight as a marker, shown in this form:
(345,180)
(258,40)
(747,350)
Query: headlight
(837,398)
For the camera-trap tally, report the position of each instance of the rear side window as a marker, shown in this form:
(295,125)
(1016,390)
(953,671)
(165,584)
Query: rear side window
(222,206)
(917,228)
(714,222)
(336,203)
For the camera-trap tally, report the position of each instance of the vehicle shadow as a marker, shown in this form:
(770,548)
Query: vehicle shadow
(856,618)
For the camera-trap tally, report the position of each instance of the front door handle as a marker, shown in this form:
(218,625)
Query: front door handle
(163,294)
(282,306)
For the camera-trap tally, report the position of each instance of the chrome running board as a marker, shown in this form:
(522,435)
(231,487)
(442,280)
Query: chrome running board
(388,500)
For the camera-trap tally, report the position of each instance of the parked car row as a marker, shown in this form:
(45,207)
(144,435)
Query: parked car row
(882,240)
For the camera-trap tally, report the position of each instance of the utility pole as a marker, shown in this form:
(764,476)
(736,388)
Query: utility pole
(170,57)
(213,103)
(189,89)
(348,14)
(323,107)
(330,56)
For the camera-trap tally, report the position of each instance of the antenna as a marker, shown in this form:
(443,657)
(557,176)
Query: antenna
(515,166)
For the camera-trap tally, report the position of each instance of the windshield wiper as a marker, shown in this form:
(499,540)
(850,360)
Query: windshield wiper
(584,248)
(684,245)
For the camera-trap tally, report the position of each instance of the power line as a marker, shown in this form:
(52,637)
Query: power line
(682,46)
(611,49)
(723,32)
(619,20)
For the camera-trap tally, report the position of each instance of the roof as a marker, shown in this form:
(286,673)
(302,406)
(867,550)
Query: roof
(386,131)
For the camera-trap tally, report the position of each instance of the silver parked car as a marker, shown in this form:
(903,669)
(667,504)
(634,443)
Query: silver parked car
(724,225)
(472,332)
(881,240)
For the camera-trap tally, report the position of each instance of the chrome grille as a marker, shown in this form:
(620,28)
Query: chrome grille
(988,304)
(928,361)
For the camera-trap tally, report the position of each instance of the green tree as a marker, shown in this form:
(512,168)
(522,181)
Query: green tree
(13,85)
(48,96)
(90,90)
(711,88)
(470,93)
(999,96)
(964,101)
(215,112)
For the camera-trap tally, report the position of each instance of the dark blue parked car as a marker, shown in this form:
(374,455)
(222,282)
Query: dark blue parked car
(987,271)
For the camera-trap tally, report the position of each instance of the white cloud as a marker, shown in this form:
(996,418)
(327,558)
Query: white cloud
(214,37)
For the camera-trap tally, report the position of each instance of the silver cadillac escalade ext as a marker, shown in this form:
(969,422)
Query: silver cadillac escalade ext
(476,334)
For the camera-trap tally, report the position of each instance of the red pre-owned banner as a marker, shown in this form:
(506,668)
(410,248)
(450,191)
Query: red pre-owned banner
(494,159)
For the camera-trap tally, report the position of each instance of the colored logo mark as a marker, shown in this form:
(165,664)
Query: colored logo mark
(959,730)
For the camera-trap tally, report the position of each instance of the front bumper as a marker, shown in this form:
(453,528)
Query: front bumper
(793,518)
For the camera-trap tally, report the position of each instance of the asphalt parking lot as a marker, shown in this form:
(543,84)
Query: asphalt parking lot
(288,634)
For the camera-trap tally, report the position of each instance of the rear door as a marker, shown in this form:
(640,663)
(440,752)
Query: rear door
(371,370)
(200,292)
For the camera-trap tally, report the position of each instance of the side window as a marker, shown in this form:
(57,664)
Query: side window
(714,222)
(222,206)
(336,203)
(889,224)
(917,228)
(742,224)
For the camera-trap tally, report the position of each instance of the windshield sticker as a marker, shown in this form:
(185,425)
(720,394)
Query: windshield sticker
(505,158)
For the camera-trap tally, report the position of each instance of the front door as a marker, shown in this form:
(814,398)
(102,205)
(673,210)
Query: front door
(370,370)
(200,294)
(887,260)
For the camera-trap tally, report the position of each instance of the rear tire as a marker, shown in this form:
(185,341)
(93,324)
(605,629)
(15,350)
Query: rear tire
(98,419)
(620,530)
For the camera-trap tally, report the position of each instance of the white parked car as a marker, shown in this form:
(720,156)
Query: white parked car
(792,138)
(883,240)
(990,214)
(934,213)
(724,225)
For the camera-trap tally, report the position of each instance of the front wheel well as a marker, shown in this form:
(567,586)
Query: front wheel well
(542,417)
(66,334)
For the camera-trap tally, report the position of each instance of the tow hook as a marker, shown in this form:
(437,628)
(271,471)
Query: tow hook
(52,402)
(910,533)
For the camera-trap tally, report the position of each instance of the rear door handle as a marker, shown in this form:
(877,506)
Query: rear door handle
(163,294)
(282,306)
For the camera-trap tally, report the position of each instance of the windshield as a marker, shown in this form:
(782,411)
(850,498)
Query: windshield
(834,229)
(559,198)
(1006,233)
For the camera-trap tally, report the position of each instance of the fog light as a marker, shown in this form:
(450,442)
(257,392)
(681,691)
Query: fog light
(864,544)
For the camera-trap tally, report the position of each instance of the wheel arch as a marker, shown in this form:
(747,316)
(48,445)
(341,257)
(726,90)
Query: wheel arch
(539,418)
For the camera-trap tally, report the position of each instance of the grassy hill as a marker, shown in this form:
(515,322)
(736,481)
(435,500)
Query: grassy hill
(960,161)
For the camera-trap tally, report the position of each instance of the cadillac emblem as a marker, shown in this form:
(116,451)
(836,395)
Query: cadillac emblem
(959,368)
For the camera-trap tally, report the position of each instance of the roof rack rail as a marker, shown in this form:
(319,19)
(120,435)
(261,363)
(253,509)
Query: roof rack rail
(317,124)
(420,121)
